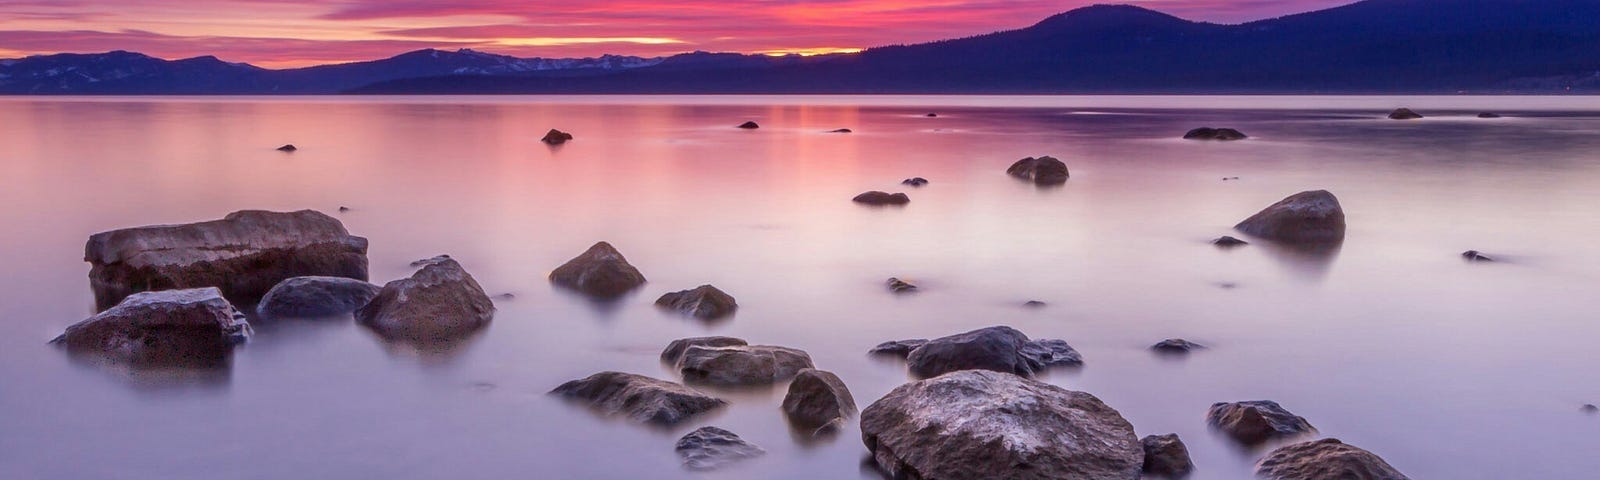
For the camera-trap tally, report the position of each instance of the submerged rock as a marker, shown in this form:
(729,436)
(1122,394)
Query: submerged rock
(1228,242)
(1403,114)
(1257,421)
(302,297)
(839,130)
(1041,171)
(1035,304)
(1043,354)
(881,198)
(1176,345)
(897,285)
(674,350)
(1305,217)
(1219,134)
(749,125)
(288,148)
(190,327)
(1475,256)
(710,448)
(996,426)
(898,348)
(931,115)
(439,303)
(601,271)
(1488,115)
(244,255)
(556,137)
(1589,408)
(741,364)
(1166,456)
(914,181)
(639,398)
(703,302)
(1000,349)
(1325,459)
(817,399)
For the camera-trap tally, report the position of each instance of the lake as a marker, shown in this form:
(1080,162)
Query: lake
(1447,369)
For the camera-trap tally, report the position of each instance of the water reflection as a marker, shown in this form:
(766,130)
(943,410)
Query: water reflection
(1306,261)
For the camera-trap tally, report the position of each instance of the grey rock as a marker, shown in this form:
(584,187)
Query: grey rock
(1404,114)
(1176,345)
(897,285)
(1040,171)
(1228,242)
(1219,134)
(601,272)
(1166,456)
(1475,256)
(302,297)
(741,364)
(898,348)
(639,398)
(1047,353)
(704,302)
(1325,459)
(1255,422)
(999,349)
(817,398)
(189,327)
(1488,115)
(1035,304)
(439,303)
(1306,217)
(674,350)
(877,198)
(710,448)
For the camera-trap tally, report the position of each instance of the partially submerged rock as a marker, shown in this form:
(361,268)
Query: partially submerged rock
(703,302)
(898,348)
(741,364)
(881,198)
(749,125)
(190,327)
(639,398)
(439,303)
(1475,256)
(1589,408)
(601,271)
(1043,354)
(1488,115)
(1000,349)
(931,115)
(304,297)
(710,448)
(914,181)
(897,285)
(1325,459)
(1404,114)
(1219,134)
(1040,171)
(1228,242)
(1305,217)
(839,130)
(244,255)
(288,148)
(995,426)
(1255,422)
(674,350)
(1166,456)
(817,399)
(1176,345)
(1035,304)
(556,137)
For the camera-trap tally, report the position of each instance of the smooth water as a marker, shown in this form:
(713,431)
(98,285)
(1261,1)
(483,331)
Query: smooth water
(1392,343)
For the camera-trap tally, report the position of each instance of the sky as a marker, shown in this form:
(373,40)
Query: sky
(293,33)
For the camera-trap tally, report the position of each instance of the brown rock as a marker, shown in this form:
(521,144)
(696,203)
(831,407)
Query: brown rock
(1041,171)
(1306,217)
(704,302)
(1166,456)
(639,398)
(556,137)
(185,328)
(817,398)
(1255,422)
(439,303)
(601,271)
(877,198)
(1325,459)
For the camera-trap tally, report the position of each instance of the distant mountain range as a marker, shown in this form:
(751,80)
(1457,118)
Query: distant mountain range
(1373,46)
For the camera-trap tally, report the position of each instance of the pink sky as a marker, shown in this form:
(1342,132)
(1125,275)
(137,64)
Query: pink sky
(287,33)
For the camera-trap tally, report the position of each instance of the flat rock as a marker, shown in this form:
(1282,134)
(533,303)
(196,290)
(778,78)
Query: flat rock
(1475,256)
(1035,304)
(601,271)
(817,399)
(243,255)
(710,448)
(749,125)
(1325,459)
(440,302)
(1166,456)
(881,198)
(741,364)
(556,137)
(1255,422)
(703,302)
(1219,134)
(1306,217)
(674,351)
(897,285)
(1404,114)
(1040,171)
(999,349)
(914,181)
(898,348)
(1176,345)
(1488,115)
(1047,353)
(839,130)
(288,148)
(639,398)
(1228,242)
(189,327)
(304,297)
(995,426)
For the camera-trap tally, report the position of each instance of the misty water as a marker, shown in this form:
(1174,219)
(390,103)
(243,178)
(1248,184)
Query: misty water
(1392,342)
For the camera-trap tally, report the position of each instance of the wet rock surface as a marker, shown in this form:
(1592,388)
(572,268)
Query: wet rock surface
(711,448)
(439,303)
(741,364)
(704,302)
(182,328)
(1325,459)
(674,351)
(897,348)
(816,399)
(1255,422)
(1165,456)
(600,272)
(1040,171)
(1313,217)
(639,398)
(999,349)
(303,297)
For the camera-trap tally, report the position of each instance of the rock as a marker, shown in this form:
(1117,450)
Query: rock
(1325,459)
(704,302)
(288,148)
(1229,178)
(556,137)
(817,398)
(1257,421)
(1403,114)
(441,302)
(931,115)
(749,125)
(1035,304)
(1176,345)
(1589,408)
(1228,242)
(1041,171)
(1000,349)
(343,209)
(601,271)
(741,364)
(877,198)
(190,327)
(1306,217)
(1488,115)
(1043,354)
(994,426)
(1475,256)
(710,448)
(1219,134)
(898,348)
(302,297)
(244,255)
(897,285)
(914,181)
(839,130)
(1166,456)
(425,261)
(674,350)
(639,398)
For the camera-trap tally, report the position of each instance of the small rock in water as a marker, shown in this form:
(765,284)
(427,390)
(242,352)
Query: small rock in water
(741,364)
(1034,304)
(704,302)
(1041,171)
(1255,422)
(1589,408)
(556,137)
(1000,349)
(343,209)
(1229,178)
(306,297)
(504,296)
(1403,114)
(1325,459)
(1176,345)
(898,348)
(710,448)
(288,148)
(877,198)
(439,303)
(1228,242)
(1166,456)
(749,125)
(839,130)
(931,115)
(1488,115)
(816,399)
(1312,217)
(914,181)
(674,351)
(183,328)
(426,261)
(601,271)
(1219,134)
(639,398)
(900,286)
(1475,256)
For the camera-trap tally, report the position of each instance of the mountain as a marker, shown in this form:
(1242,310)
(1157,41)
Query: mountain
(1372,46)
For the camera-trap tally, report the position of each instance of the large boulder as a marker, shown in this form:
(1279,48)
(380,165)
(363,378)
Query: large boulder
(1305,217)
(817,399)
(1219,134)
(1257,421)
(244,255)
(1041,171)
(741,364)
(674,351)
(1325,459)
(997,426)
(704,302)
(191,327)
(601,271)
(1165,456)
(441,302)
(710,448)
(304,297)
(1000,349)
(639,398)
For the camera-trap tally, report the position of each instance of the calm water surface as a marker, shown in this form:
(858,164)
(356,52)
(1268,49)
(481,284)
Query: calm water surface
(1391,343)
